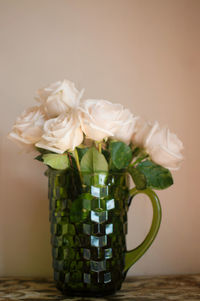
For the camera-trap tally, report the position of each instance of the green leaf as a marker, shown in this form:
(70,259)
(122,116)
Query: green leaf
(39,158)
(81,152)
(106,154)
(112,167)
(93,161)
(157,176)
(44,151)
(121,154)
(138,178)
(56,161)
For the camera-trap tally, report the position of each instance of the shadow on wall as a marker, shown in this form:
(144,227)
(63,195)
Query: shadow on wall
(24,216)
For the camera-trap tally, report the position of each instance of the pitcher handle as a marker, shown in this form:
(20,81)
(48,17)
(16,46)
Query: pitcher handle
(133,255)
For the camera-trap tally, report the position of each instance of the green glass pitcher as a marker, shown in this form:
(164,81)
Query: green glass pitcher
(88,215)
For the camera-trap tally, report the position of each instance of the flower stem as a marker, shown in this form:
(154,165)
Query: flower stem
(139,159)
(77,159)
(100,147)
(70,159)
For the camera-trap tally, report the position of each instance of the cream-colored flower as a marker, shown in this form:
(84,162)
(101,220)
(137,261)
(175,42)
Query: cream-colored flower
(142,129)
(28,128)
(61,133)
(101,119)
(59,97)
(163,146)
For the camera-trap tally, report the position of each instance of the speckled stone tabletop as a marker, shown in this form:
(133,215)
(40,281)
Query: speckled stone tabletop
(185,287)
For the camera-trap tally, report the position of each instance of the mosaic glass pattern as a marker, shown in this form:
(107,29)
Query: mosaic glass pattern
(88,219)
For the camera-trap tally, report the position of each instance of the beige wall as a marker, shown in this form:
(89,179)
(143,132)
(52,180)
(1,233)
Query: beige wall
(144,54)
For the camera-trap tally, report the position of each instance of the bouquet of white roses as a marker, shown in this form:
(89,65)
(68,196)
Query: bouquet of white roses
(97,136)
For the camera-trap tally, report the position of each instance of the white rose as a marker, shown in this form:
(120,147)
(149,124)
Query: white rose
(101,119)
(28,128)
(61,133)
(142,129)
(163,146)
(59,97)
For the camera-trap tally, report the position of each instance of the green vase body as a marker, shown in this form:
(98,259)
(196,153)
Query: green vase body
(88,217)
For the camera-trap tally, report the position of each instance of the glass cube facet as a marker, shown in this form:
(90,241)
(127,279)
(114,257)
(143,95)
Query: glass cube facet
(99,216)
(100,241)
